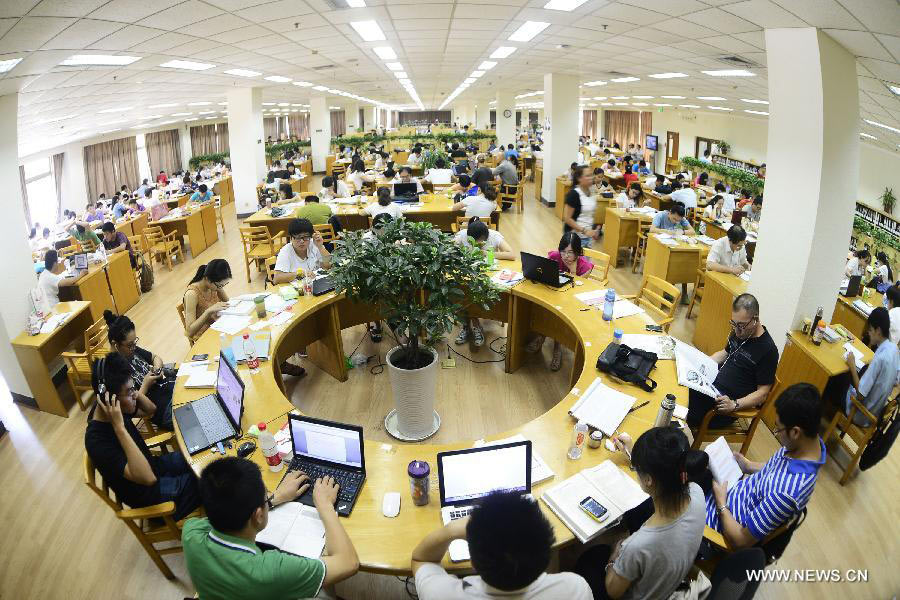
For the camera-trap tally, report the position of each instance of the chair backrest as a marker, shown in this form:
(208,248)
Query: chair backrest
(776,543)
(730,581)
(137,242)
(67,251)
(644,227)
(180,309)
(270,270)
(88,245)
(601,260)
(658,297)
(154,234)
(463,222)
(327,231)
(95,337)
(102,488)
(252,236)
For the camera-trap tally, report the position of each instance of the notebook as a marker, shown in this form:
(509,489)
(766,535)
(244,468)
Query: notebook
(602,407)
(722,463)
(607,484)
(295,528)
(201,379)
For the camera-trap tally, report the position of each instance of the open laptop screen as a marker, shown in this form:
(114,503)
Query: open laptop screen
(324,441)
(471,474)
(230,390)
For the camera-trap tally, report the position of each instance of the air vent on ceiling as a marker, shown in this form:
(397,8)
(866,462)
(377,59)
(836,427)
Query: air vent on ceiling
(336,4)
(618,74)
(323,67)
(738,61)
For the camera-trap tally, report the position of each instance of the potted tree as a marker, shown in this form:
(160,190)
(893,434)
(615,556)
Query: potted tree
(888,200)
(420,281)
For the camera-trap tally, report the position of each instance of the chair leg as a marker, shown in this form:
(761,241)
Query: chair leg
(853,463)
(693,299)
(832,426)
(247,267)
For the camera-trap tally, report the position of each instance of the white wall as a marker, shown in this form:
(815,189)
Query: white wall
(878,168)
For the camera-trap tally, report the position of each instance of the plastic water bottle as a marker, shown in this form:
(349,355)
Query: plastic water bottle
(617,337)
(250,355)
(608,303)
(223,342)
(579,435)
(269,449)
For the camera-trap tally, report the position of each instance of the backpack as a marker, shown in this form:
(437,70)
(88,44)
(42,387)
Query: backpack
(146,275)
(628,364)
(880,444)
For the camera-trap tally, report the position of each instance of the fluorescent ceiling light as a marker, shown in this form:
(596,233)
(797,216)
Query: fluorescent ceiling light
(730,73)
(710,98)
(268,104)
(476,74)
(303,83)
(642,97)
(208,118)
(111,130)
(114,109)
(894,88)
(356,3)
(284,104)
(667,75)
(201,103)
(169,105)
(150,117)
(469,80)
(192,119)
(527,31)
(223,104)
(688,106)
(320,88)
(567,5)
(620,97)
(187,64)
(606,104)
(621,104)
(334,108)
(8,65)
(637,104)
(599,98)
(369,31)
(333,91)
(277,79)
(673,97)
(401,75)
(405,81)
(99,59)
(756,112)
(661,104)
(487,65)
(206,112)
(719,108)
(181,114)
(503,51)
(755,101)
(882,125)
(866,135)
(625,79)
(594,83)
(139,125)
(385,52)
(242,73)
(394,66)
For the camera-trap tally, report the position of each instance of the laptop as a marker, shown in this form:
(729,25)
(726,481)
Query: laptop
(541,269)
(466,476)
(260,339)
(322,285)
(216,417)
(328,448)
(405,192)
(853,286)
(80,261)
(737,216)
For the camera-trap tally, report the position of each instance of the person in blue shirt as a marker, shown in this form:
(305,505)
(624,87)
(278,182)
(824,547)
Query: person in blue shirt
(667,221)
(874,387)
(202,194)
(511,151)
(119,208)
(145,185)
(773,492)
(641,168)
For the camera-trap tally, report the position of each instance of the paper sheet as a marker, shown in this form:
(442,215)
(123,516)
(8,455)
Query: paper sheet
(625,308)
(201,379)
(295,528)
(54,322)
(695,369)
(616,484)
(722,463)
(230,324)
(848,347)
(507,278)
(745,275)
(593,298)
(662,345)
(279,319)
(189,368)
(540,471)
(602,407)
(244,307)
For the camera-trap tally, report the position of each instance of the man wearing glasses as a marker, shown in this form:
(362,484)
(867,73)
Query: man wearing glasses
(746,368)
(306,251)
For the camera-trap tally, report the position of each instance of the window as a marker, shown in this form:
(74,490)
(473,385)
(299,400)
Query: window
(41,190)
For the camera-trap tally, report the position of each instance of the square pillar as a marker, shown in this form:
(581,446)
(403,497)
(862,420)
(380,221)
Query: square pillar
(560,147)
(319,131)
(246,140)
(506,126)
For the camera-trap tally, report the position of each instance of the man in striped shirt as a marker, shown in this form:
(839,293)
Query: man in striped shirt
(773,492)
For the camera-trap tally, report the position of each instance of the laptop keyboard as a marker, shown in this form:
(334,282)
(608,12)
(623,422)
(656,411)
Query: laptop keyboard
(460,513)
(212,419)
(348,481)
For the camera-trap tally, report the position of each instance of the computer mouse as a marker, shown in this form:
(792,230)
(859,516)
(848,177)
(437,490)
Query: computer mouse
(390,505)
(246,449)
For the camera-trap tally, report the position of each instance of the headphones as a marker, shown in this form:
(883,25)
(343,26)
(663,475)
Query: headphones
(101,381)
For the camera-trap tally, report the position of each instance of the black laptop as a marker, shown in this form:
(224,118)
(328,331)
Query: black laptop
(216,417)
(543,270)
(327,448)
(853,285)
(405,192)
(322,285)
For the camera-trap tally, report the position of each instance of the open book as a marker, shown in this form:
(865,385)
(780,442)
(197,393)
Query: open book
(607,484)
(695,369)
(722,463)
(295,528)
(602,407)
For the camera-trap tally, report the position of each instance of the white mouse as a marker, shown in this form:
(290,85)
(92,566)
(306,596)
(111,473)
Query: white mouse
(579,283)
(390,505)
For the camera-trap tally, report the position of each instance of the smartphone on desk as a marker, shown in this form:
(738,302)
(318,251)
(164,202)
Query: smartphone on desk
(200,357)
(654,328)
(594,509)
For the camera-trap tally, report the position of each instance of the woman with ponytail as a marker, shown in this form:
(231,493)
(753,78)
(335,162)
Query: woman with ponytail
(654,560)
(205,297)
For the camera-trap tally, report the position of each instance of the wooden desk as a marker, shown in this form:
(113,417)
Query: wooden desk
(538,172)
(35,353)
(563,185)
(600,209)
(385,546)
(675,264)
(190,226)
(719,292)
(224,189)
(850,317)
(93,288)
(210,230)
(122,283)
(620,231)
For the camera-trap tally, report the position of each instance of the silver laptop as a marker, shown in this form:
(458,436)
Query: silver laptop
(466,476)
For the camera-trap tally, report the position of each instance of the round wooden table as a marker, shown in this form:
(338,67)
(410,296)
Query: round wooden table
(385,545)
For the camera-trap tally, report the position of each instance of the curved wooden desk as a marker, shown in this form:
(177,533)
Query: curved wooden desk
(385,545)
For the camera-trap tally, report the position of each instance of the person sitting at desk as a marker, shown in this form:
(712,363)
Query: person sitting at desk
(580,205)
(405,176)
(682,193)
(124,190)
(746,368)
(456,152)
(202,195)
(508,170)
(632,196)
(306,251)
(715,210)
(884,275)
(600,187)
(440,174)
(186,185)
(753,212)
(705,158)
(135,205)
(118,451)
(654,560)
(116,241)
(319,214)
(82,234)
(728,205)
(384,205)
(571,259)
(671,221)
(662,185)
(44,242)
(286,193)
(701,179)
(145,185)
(94,212)
(357,175)
(858,264)
(482,173)
(415,157)
(220,551)
(464,187)
(50,278)
(510,543)
(479,205)
(205,297)
(380,160)
(873,388)
(510,152)
(892,304)
(728,254)
(641,168)
(610,168)
(746,198)
(332,189)
(120,208)
(162,179)
(146,367)
(772,493)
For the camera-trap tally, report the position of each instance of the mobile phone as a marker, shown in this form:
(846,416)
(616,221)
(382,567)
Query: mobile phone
(654,328)
(594,509)
(200,357)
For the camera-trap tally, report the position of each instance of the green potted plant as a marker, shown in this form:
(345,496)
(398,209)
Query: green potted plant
(421,282)
(888,200)
(724,147)
(432,155)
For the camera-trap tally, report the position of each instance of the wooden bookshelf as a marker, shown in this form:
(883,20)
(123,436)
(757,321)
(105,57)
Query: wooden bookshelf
(734,163)
(878,218)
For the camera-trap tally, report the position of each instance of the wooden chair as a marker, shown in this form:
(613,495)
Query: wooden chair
(327,231)
(78,364)
(772,550)
(508,194)
(140,246)
(138,520)
(463,222)
(743,429)
(859,434)
(220,220)
(641,248)
(601,261)
(67,251)
(163,245)
(659,298)
(258,245)
(88,245)
(270,271)
(699,284)
(338,169)
(180,309)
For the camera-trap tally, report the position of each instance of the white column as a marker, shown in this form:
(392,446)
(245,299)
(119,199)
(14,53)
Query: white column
(184,140)
(246,140)
(561,141)
(813,97)
(16,271)
(319,131)
(143,159)
(484,114)
(371,117)
(353,118)
(74,188)
(506,126)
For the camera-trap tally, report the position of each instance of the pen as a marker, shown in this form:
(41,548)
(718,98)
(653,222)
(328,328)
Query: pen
(584,309)
(641,405)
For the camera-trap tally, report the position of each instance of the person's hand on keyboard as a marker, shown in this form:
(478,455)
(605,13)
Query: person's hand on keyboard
(325,492)
(294,484)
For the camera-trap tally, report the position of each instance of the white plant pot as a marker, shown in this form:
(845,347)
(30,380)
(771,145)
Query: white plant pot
(413,417)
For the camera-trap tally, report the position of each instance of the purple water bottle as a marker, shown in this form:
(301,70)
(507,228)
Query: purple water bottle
(608,303)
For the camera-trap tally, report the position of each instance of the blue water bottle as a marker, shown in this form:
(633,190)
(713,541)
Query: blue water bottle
(608,303)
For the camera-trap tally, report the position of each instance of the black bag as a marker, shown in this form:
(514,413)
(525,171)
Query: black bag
(146,275)
(628,364)
(880,444)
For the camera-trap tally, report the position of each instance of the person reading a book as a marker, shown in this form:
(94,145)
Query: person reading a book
(773,492)
(220,551)
(746,368)
(510,543)
(728,254)
(873,387)
(654,560)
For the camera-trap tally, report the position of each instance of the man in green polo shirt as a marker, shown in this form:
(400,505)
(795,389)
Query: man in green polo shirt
(316,212)
(220,551)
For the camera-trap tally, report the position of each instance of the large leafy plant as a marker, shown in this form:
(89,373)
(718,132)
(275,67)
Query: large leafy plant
(736,177)
(420,280)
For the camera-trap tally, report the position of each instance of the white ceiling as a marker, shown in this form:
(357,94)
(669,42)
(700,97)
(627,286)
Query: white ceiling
(438,42)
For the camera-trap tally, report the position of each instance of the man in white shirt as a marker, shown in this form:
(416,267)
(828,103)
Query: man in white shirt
(892,303)
(510,543)
(858,264)
(306,251)
(405,176)
(683,194)
(50,278)
(728,254)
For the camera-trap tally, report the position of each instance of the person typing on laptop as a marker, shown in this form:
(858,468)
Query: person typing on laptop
(510,543)
(222,555)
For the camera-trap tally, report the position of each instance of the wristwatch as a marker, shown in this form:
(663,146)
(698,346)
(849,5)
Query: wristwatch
(269,500)
(719,509)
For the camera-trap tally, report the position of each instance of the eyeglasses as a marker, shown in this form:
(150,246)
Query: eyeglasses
(567,251)
(131,344)
(742,326)
(221,284)
(301,238)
